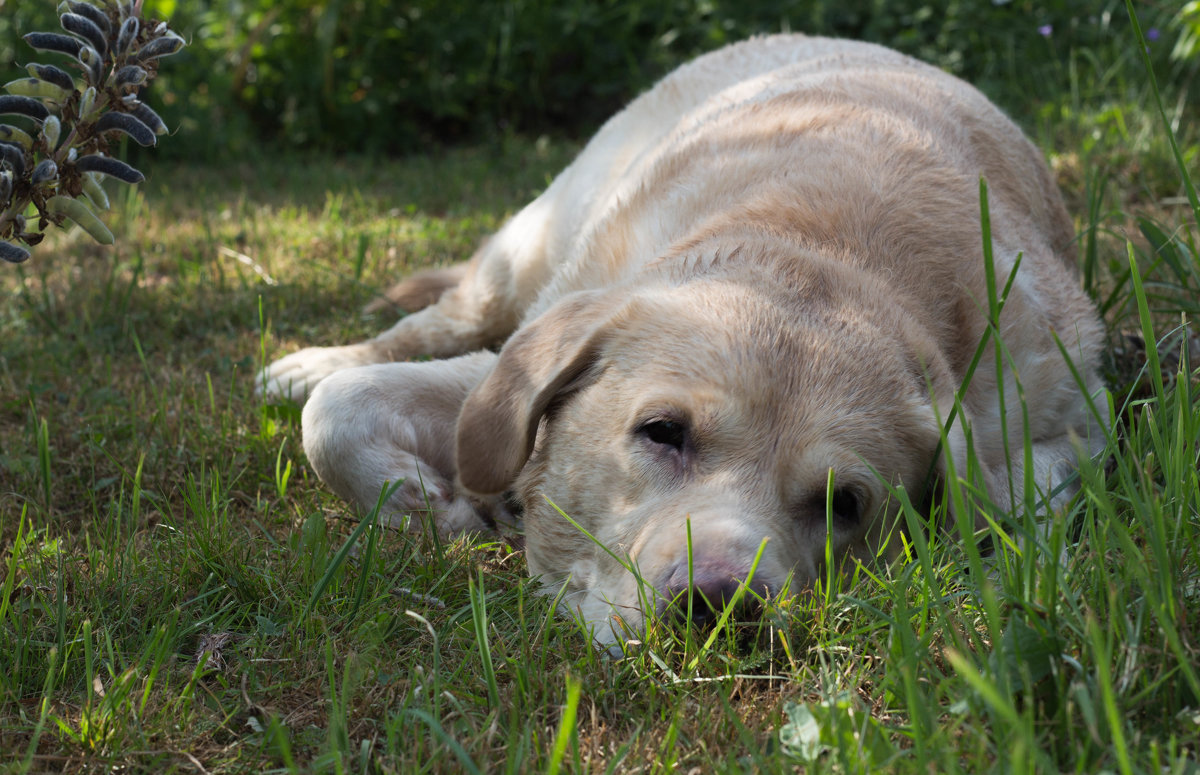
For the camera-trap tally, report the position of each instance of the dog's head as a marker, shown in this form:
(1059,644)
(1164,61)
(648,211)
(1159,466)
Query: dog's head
(711,413)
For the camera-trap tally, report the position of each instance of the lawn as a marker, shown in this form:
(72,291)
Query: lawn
(178,592)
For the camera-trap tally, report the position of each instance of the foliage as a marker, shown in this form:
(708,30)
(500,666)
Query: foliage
(59,157)
(364,76)
(1188,45)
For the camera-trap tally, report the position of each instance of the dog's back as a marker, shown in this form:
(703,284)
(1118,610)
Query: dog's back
(851,119)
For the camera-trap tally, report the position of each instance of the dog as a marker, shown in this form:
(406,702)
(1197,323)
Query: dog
(710,355)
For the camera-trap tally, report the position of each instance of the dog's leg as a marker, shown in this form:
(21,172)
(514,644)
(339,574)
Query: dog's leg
(394,423)
(501,280)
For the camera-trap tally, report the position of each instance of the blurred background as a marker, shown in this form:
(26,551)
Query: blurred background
(372,76)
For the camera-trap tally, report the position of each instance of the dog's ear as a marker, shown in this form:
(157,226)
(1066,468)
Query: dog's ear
(498,422)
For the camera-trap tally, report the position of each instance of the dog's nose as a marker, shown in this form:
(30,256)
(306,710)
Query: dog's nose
(711,591)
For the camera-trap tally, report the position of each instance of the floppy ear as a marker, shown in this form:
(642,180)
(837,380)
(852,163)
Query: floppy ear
(498,422)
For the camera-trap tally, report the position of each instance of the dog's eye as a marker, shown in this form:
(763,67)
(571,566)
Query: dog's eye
(668,433)
(844,506)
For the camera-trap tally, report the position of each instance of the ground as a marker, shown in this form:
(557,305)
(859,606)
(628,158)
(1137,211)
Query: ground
(180,594)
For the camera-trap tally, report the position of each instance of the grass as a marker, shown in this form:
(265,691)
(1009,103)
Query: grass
(178,593)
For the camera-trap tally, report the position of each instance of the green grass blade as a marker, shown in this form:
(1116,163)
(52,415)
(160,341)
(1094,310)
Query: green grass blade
(464,759)
(43,709)
(1147,323)
(479,618)
(566,726)
(339,558)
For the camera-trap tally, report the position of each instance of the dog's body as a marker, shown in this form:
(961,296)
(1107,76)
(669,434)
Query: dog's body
(767,268)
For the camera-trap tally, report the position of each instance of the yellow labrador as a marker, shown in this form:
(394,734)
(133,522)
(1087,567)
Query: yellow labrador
(766,271)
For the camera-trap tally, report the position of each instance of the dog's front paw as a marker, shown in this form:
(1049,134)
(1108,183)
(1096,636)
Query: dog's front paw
(294,376)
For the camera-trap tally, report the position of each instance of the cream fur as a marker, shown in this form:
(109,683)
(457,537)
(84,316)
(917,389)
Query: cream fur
(778,247)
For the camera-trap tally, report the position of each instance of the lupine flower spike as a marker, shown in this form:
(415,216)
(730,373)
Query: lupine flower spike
(55,153)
